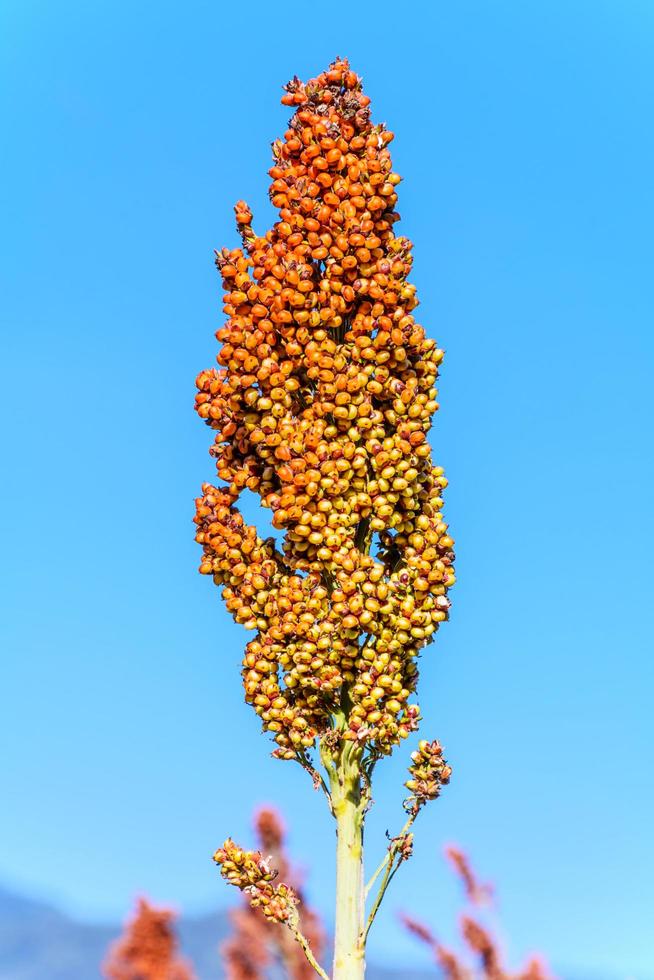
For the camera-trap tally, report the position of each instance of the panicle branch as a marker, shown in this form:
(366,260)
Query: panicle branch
(428,773)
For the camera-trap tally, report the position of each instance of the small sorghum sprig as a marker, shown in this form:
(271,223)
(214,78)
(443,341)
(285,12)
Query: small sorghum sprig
(428,773)
(256,942)
(250,872)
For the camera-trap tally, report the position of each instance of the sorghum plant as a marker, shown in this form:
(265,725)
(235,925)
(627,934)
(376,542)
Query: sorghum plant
(322,404)
(148,949)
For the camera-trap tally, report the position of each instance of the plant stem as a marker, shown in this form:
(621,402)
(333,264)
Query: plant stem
(306,948)
(349,959)
(389,867)
(376,875)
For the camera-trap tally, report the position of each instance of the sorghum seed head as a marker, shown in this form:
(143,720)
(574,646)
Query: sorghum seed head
(321,403)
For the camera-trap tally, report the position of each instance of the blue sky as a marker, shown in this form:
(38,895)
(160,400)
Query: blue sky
(524,135)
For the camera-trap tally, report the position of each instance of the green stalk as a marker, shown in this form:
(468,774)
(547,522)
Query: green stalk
(345,778)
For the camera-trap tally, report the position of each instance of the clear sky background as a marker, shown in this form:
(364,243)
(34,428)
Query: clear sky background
(524,134)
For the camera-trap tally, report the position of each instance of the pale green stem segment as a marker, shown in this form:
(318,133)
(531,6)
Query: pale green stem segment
(308,952)
(345,785)
(388,866)
(348,803)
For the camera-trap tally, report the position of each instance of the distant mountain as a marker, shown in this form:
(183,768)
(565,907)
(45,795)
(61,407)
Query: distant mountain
(38,942)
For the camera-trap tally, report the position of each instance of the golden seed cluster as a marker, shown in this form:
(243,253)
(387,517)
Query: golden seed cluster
(250,872)
(428,773)
(322,403)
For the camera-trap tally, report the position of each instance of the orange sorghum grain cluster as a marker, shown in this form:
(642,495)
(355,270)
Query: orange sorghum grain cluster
(148,949)
(270,832)
(251,873)
(322,404)
(428,773)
